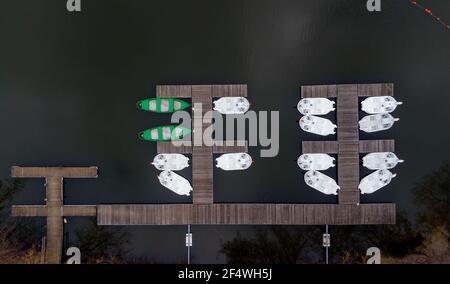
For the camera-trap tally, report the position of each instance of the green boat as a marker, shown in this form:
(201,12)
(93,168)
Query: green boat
(162,105)
(164,133)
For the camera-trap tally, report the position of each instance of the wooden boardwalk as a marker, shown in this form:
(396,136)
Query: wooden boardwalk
(204,212)
(54,210)
(245,214)
(348,146)
(202,151)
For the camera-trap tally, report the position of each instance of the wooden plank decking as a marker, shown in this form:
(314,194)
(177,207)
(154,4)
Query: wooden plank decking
(233,147)
(330,147)
(218,148)
(348,146)
(368,146)
(331,91)
(202,151)
(203,211)
(54,209)
(42,172)
(348,143)
(245,214)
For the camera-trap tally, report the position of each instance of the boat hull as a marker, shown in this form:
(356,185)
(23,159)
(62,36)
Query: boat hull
(381,161)
(175,183)
(377,122)
(170,162)
(162,105)
(321,182)
(164,133)
(375,181)
(315,162)
(380,104)
(315,106)
(234,161)
(231,105)
(317,125)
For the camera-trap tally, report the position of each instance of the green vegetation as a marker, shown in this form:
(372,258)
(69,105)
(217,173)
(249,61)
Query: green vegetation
(425,242)
(101,244)
(18,236)
(432,196)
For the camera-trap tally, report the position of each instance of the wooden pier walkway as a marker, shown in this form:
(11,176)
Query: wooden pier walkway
(54,210)
(203,211)
(348,146)
(245,214)
(202,152)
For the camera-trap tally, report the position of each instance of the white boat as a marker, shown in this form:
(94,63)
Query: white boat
(172,162)
(377,122)
(317,125)
(231,105)
(234,161)
(315,162)
(175,182)
(381,104)
(321,182)
(375,181)
(315,106)
(381,161)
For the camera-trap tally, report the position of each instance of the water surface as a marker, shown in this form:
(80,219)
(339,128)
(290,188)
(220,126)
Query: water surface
(69,83)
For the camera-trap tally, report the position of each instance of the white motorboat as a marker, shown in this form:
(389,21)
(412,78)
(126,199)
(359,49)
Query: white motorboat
(381,104)
(231,105)
(175,182)
(315,162)
(315,106)
(377,122)
(375,181)
(381,161)
(321,182)
(234,161)
(317,125)
(172,162)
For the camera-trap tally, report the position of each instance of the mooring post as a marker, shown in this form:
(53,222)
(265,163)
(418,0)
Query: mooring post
(189,243)
(326,243)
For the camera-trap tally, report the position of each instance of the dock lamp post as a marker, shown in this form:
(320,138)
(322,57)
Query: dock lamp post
(189,244)
(326,242)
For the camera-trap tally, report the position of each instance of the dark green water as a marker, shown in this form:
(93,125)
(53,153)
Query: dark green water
(69,83)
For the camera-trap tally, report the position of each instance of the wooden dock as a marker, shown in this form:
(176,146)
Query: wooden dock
(204,211)
(202,152)
(54,210)
(245,214)
(348,146)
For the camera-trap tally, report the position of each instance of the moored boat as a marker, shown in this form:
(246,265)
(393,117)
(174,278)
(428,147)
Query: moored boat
(375,181)
(315,106)
(175,183)
(315,162)
(381,161)
(172,162)
(231,105)
(321,182)
(164,133)
(380,104)
(317,125)
(234,161)
(377,122)
(162,105)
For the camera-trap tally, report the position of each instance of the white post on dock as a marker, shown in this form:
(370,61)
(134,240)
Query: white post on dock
(326,242)
(189,244)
